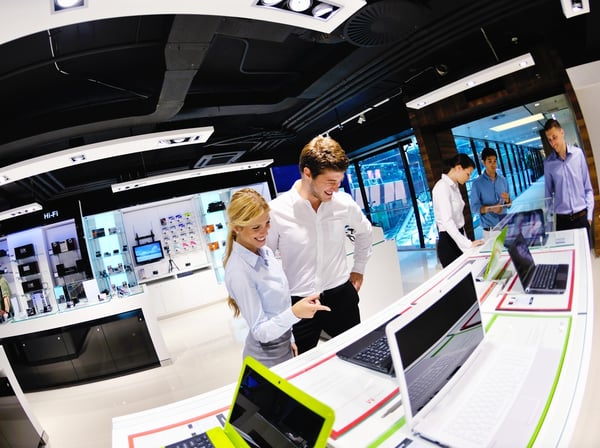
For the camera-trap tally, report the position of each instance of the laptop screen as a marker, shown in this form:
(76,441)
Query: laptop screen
(266,416)
(521,257)
(530,223)
(436,343)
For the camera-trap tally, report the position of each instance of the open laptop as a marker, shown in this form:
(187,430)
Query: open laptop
(268,411)
(494,263)
(462,387)
(371,351)
(537,278)
(530,223)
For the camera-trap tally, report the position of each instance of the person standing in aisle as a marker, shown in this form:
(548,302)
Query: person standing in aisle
(567,179)
(309,226)
(448,206)
(489,193)
(5,311)
(257,286)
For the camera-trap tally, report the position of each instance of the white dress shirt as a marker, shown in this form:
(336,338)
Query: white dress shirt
(259,287)
(448,208)
(312,245)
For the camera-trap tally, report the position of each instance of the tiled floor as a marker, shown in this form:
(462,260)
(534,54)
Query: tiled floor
(205,350)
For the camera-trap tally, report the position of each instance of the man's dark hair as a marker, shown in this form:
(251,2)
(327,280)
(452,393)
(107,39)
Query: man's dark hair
(552,123)
(488,152)
(323,153)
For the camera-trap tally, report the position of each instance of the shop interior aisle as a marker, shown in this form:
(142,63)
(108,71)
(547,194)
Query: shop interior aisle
(205,346)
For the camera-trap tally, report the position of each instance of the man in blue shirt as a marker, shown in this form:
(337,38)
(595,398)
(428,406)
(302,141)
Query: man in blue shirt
(567,178)
(489,192)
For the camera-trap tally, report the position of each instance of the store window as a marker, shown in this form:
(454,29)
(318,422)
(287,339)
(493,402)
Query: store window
(388,178)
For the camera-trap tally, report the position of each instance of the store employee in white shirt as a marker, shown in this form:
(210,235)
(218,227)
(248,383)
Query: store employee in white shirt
(309,224)
(448,206)
(257,286)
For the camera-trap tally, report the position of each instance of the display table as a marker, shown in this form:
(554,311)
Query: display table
(85,344)
(366,415)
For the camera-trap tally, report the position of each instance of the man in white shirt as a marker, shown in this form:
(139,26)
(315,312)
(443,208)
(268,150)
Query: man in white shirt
(309,226)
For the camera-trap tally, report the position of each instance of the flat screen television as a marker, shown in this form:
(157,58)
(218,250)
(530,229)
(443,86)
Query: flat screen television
(148,253)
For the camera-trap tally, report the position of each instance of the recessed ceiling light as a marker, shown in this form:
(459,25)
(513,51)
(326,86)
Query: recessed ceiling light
(529,140)
(517,123)
(62,5)
(18,211)
(322,9)
(78,158)
(299,5)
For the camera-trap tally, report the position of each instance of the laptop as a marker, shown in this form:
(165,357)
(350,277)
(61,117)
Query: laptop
(371,351)
(531,224)
(537,278)
(268,411)
(494,263)
(464,388)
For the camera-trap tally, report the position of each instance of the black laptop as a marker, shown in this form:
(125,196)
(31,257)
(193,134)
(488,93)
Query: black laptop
(371,351)
(537,278)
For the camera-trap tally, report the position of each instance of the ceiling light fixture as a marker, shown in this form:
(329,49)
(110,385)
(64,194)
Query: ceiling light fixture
(62,5)
(517,123)
(529,140)
(105,150)
(78,159)
(478,78)
(572,8)
(189,174)
(321,10)
(19,211)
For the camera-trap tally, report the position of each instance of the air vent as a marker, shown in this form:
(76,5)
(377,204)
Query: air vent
(218,159)
(383,23)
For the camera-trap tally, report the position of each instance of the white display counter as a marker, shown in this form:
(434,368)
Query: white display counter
(371,425)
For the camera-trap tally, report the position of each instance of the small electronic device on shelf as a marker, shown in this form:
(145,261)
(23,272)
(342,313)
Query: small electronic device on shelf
(148,253)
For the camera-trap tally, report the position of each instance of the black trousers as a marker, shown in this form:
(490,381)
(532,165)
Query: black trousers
(447,249)
(344,314)
(567,222)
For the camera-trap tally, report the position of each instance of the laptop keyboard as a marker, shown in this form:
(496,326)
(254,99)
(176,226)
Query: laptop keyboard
(376,354)
(544,276)
(488,401)
(196,441)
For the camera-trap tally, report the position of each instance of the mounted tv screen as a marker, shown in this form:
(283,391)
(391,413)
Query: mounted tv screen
(148,253)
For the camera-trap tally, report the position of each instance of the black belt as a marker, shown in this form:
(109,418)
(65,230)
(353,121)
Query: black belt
(488,229)
(461,230)
(573,216)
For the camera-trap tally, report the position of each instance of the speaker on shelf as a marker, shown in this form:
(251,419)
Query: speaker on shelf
(32,285)
(83,266)
(71,244)
(55,247)
(60,270)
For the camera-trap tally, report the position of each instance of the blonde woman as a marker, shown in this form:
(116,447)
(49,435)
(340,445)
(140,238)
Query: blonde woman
(257,286)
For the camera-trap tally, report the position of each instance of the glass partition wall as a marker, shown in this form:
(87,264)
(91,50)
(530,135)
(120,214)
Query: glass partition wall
(388,180)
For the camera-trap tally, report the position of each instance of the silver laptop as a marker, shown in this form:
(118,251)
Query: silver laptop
(537,278)
(462,387)
(530,223)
